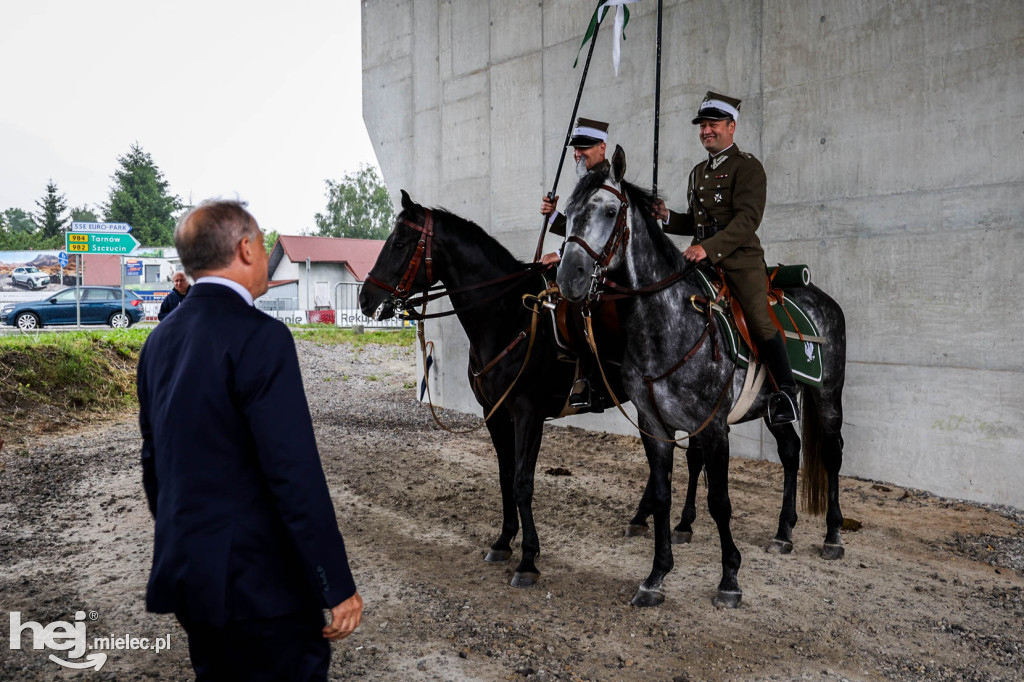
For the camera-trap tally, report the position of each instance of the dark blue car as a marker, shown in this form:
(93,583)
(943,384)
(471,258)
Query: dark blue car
(100,305)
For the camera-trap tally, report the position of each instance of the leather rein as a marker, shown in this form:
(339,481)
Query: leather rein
(619,238)
(401,294)
(402,299)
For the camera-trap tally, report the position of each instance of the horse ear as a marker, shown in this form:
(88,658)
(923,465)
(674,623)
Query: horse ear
(619,164)
(407,203)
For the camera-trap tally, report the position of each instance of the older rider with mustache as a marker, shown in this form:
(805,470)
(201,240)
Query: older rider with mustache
(725,202)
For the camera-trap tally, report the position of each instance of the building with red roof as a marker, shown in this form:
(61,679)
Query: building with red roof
(305,271)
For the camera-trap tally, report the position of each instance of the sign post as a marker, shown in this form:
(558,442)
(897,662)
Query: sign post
(108,238)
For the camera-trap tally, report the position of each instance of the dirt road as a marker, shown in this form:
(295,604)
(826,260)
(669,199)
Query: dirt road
(930,589)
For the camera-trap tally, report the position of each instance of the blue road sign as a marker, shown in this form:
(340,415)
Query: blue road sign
(62,258)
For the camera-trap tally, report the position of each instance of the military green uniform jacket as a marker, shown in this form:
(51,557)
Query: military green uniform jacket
(726,196)
(726,192)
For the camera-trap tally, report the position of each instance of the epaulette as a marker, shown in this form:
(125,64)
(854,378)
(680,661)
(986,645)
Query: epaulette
(746,155)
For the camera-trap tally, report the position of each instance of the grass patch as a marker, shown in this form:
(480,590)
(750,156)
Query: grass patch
(48,380)
(328,335)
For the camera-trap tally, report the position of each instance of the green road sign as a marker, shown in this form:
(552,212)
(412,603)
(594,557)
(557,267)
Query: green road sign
(118,244)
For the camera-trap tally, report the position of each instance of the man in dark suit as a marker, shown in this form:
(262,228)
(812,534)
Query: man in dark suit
(247,551)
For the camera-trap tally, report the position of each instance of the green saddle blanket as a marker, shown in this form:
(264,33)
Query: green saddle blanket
(804,355)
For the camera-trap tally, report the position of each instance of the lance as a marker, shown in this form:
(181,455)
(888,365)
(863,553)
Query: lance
(657,101)
(568,136)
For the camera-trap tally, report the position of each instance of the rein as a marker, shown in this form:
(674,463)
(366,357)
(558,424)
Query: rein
(535,310)
(401,294)
(620,236)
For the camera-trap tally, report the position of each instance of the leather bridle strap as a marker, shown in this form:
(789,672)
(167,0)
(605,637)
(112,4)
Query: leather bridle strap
(619,235)
(718,406)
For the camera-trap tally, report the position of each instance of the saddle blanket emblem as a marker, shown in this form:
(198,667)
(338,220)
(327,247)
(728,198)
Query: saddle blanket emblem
(804,356)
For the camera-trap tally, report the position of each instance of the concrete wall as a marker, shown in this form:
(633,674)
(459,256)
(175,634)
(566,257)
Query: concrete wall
(892,135)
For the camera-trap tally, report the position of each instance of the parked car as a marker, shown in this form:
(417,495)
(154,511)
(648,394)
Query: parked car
(29,276)
(100,305)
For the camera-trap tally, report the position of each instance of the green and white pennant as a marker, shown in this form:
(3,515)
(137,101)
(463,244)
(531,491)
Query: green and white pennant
(620,22)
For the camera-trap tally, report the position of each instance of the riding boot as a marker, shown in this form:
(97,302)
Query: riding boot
(782,405)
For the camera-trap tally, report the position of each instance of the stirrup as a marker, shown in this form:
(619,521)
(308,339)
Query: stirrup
(782,409)
(579,395)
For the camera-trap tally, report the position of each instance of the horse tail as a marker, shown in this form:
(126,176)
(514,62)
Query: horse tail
(814,491)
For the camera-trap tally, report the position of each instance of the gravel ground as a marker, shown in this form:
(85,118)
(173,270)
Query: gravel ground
(930,589)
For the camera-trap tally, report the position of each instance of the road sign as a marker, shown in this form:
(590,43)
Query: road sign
(87,242)
(132,268)
(62,258)
(101,227)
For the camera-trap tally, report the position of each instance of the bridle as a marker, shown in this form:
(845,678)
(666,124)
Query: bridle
(419,257)
(401,295)
(619,236)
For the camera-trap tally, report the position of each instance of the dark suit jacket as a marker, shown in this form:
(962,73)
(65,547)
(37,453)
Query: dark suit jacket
(245,527)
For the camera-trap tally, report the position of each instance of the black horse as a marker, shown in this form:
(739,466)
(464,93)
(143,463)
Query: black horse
(486,285)
(677,374)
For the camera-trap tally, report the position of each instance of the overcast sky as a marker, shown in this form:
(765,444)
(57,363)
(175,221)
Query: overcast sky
(257,100)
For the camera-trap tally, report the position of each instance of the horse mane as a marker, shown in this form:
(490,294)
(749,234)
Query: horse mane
(474,234)
(640,198)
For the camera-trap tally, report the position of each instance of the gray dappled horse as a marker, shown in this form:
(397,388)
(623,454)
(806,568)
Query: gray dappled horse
(675,379)
(486,286)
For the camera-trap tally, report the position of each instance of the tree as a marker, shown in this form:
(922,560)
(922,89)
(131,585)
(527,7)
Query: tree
(140,198)
(51,217)
(18,221)
(17,231)
(358,206)
(269,240)
(84,214)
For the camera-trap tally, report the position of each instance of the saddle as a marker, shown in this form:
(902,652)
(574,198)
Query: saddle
(803,340)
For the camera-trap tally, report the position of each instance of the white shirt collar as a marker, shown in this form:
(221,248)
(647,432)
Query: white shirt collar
(229,283)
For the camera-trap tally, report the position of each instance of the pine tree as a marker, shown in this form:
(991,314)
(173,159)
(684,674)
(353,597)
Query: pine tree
(51,218)
(140,198)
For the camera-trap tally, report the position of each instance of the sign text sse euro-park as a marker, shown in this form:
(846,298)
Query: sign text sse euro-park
(109,238)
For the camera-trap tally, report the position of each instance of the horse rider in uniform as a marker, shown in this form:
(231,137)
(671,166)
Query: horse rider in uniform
(589,142)
(725,202)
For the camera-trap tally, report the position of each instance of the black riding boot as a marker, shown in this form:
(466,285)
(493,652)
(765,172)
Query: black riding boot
(782,406)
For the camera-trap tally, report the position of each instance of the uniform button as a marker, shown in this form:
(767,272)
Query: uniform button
(706,177)
(702,187)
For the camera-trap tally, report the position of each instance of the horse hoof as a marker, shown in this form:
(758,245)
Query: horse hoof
(524,579)
(636,531)
(727,600)
(779,547)
(644,597)
(680,537)
(832,552)
(496,556)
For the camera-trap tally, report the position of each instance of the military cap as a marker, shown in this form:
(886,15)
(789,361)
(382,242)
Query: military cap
(716,107)
(588,132)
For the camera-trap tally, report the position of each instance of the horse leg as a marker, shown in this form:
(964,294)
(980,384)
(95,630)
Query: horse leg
(503,437)
(659,458)
(529,426)
(832,456)
(683,533)
(716,449)
(789,453)
(638,524)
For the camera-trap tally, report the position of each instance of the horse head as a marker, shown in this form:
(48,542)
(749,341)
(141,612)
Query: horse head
(597,229)
(405,263)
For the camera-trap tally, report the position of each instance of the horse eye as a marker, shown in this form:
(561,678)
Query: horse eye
(610,212)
